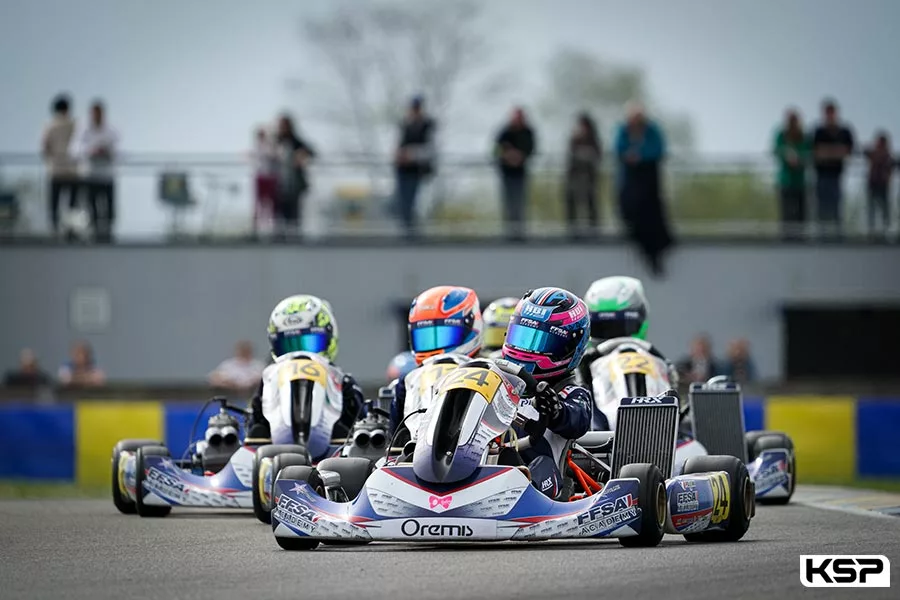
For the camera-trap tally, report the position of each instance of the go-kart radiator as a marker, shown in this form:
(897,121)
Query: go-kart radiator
(717,416)
(646,432)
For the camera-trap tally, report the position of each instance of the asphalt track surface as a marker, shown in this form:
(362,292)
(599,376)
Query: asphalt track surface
(84,549)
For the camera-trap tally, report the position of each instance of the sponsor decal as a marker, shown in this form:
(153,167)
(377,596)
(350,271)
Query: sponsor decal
(576,313)
(536,312)
(687,501)
(817,570)
(442,501)
(558,331)
(547,484)
(688,484)
(721,497)
(166,484)
(691,523)
(607,515)
(771,476)
(414,528)
(646,401)
(289,510)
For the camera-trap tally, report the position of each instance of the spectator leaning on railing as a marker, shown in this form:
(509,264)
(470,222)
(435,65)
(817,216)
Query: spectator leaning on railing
(878,184)
(583,166)
(28,373)
(514,147)
(98,146)
(293,183)
(832,145)
(265,165)
(414,160)
(792,150)
(55,142)
(81,370)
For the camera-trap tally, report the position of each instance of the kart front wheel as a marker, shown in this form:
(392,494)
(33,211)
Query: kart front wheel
(652,501)
(775,440)
(123,503)
(143,509)
(740,497)
(262,462)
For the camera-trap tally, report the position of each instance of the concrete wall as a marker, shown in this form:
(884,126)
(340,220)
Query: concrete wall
(176,311)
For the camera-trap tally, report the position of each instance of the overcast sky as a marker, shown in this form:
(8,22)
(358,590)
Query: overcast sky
(196,75)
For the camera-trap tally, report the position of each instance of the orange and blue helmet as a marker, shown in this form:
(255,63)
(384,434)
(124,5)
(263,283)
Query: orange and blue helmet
(548,332)
(445,319)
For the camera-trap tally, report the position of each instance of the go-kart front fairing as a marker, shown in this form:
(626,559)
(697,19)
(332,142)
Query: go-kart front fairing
(497,503)
(164,483)
(772,475)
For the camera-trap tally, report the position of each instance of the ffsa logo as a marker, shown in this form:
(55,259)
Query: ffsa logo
(817,570)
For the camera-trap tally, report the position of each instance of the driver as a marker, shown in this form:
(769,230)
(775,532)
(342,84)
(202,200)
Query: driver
(303,323)
(618,308)
(496,322)
(442,320)
(547,336)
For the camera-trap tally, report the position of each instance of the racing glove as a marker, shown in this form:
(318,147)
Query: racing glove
(547,402)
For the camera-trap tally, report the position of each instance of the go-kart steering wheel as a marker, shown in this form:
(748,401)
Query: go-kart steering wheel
(531,384)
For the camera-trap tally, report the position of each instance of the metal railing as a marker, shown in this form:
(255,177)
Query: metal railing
(707,196)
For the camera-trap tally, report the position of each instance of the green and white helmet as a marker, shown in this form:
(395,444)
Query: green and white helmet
(303,324)
(618,308)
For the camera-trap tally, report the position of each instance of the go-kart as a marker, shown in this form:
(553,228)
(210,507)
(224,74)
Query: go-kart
(712,422)
(146,480)
(460,486)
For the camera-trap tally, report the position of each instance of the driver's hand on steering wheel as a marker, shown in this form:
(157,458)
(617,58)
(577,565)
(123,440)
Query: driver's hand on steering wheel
(547,401)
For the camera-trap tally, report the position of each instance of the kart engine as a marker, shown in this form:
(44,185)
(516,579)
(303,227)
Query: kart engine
(220,442)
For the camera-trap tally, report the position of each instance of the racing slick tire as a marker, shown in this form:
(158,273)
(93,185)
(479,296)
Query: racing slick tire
(124,504)
(142,509)
(740,492)
(776,440)
(652,501)
(310,476)
(269,451)
(354,472)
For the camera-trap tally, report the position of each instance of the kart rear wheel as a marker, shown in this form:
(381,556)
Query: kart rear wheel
(268,452)
(652,501)
(775,440)
(142,509)
(354,472)
(311,477)
(124,504)
(741,496)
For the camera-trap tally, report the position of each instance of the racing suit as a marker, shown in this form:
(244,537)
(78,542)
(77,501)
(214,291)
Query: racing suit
(565,409)
(352,401)
(599,421)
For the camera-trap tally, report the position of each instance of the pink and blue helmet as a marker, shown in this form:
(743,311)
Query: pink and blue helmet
(548,332)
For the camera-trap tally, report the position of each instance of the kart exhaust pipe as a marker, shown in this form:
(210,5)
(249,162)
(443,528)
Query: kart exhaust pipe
(362,439)
(214,436)
(229,436)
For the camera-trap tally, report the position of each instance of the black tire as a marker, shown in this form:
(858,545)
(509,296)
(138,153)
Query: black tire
(124,504)
(354,472)
(310,476)
(776,440)
(750,437)
(142,509)
(653,503)
(740,493)
(268,451)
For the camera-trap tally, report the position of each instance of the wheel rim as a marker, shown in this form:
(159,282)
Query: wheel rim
(661,505)
(748,495)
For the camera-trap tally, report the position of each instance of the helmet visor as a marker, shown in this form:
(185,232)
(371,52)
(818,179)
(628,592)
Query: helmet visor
(614,324)
(306,340)
(540,340)
(428,338)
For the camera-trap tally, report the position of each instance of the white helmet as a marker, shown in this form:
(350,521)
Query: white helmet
(303,323)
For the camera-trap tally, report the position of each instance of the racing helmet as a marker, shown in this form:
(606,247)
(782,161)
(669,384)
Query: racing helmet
(445,319)
(548,332)
(400,365)
(303,323)
(618,308)
(496,322)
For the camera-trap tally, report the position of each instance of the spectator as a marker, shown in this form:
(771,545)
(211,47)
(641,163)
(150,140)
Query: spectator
(98,145)
(881,166)
(55,141)
(29,372)
(792,150)
(640,147)
(414,160)
(240,372)
(265,164)
(832,144)
(81,370)
(294,155)
(585,152)
(514,146)
(739,367)
(700,364)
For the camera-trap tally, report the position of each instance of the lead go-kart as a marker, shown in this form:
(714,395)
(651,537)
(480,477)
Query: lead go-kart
(711,422)
(223,471)
(459,486)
